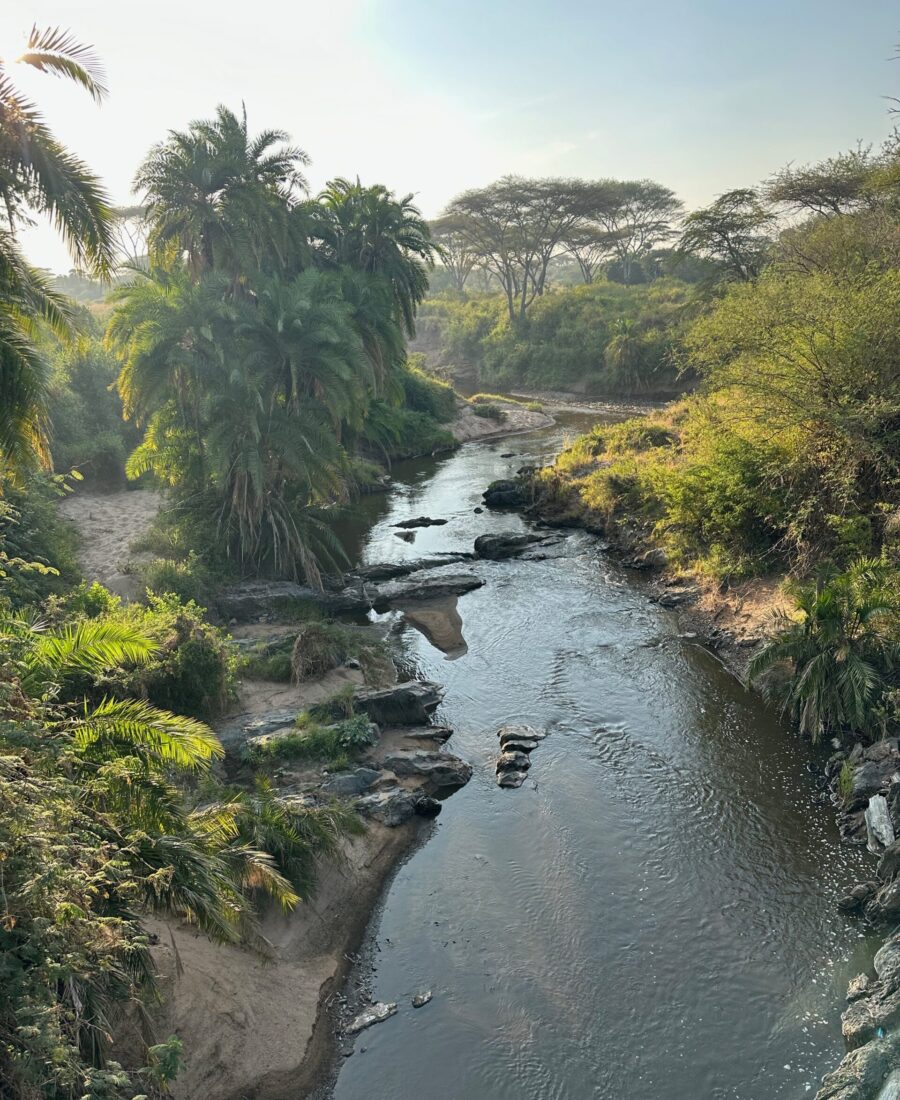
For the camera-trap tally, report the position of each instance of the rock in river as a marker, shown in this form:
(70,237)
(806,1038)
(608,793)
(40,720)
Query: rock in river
(511,779)
(438,769)
(407,704)
(513,762)
(422,586)
(504,493)
(419,521)
(505,545)
(374,1014)
(519,733)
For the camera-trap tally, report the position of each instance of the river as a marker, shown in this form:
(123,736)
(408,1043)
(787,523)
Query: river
(652,914)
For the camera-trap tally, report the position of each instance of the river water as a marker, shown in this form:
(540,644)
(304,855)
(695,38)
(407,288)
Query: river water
(652,914)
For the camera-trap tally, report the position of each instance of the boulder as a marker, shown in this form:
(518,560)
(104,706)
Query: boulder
(374,1014)
(887,961)
(422,586)
(889,863)
(428,807)
(511,779)
(422,999)
(858,987)
(504,493)
(407,704)
(519,733)
(879,826)
(863,1072)
(419,521)
(390,570)
(522,745)
(513,762)
(349,784)
(505,545)
(428,733)
(391,806)
(438,769)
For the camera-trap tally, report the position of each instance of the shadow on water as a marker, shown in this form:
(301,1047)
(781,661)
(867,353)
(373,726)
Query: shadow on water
(652,914)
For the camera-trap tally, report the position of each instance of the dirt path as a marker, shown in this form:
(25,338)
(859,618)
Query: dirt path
(108,524)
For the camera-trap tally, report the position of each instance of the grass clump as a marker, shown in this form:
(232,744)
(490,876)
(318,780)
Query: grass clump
(335,744)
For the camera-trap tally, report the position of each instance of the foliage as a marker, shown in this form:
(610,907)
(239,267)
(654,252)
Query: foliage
(193,668)
(489,411)
(733,230)
(38,173)
(605,337)
(839,653)
(334,744)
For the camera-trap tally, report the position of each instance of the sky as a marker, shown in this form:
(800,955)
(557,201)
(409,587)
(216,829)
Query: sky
(435,96)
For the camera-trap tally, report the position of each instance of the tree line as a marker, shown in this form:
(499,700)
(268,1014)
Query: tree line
(515,231)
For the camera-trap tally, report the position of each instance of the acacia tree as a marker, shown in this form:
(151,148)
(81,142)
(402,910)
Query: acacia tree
(732,231)
(638,215)
(515,227)
(38,173)
(455,247)
(837,185)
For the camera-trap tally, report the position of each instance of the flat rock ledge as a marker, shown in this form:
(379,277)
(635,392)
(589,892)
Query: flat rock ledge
(516,745)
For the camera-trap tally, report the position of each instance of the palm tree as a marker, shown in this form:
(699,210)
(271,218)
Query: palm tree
(220,196)
(831,663)
(38,173)
(369,230)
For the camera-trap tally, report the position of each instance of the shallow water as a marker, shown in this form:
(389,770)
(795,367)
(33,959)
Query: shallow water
(652,914)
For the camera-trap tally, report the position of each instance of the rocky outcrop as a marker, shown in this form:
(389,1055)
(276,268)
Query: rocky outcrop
(378,586)
(390,570)
(350,784)
(504,493)
(419,521)
(437,770)
(871,1028)
(406,704)
(505,545)
(393,805)
(516,745)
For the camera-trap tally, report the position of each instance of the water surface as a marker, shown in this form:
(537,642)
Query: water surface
(652,914)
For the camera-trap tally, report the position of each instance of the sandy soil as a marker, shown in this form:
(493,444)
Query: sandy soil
(467,426)
(108,524)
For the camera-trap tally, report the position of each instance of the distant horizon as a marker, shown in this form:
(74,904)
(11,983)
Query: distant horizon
(439,100)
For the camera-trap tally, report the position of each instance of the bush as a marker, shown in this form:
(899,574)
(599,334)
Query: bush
(187,579)
(195,670)
(335,744)
(38,548)
(426,394)
(489,411)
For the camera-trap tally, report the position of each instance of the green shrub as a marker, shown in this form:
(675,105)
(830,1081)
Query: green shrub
(489,411)
(337,706)
(426,394)
(187,579)
(334,744)
(195,670)
(845,781)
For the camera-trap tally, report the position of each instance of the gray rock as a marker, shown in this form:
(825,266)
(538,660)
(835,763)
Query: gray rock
(419,521)
(879,826)
(406,704)
(519,733)
(520,746)
(887,961)
(374,1014)
(352,783)
(428,733)
(862,1073)
(388,571)
(513,762)
(889,863)
(438,769)
(422,586)
(858,987)
(511,779)
(422,999)
(504,493)
(505,545)
(391,806)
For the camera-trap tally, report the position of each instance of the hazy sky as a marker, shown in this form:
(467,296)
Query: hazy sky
(433,96)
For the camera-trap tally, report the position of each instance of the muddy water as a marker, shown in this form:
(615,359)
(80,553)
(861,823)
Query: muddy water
(652,914)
